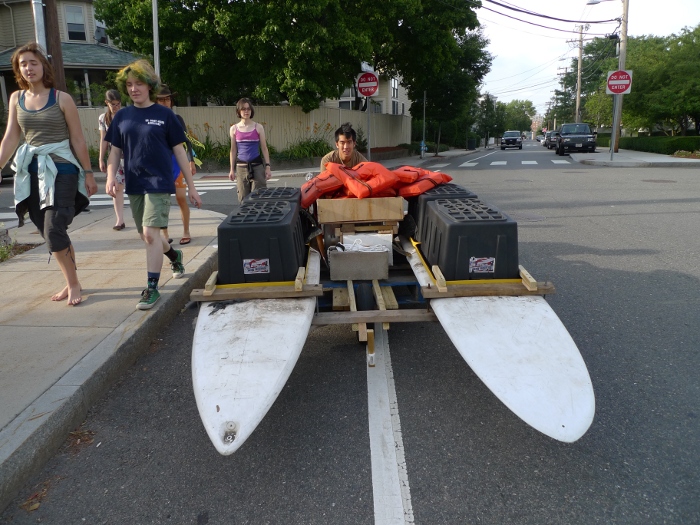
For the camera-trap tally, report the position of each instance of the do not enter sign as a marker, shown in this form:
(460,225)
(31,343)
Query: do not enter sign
(619,82)
(367,84)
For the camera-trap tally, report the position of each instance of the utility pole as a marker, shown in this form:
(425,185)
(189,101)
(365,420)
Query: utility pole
(156,38)
(53,45)
(617,119)
(577,116)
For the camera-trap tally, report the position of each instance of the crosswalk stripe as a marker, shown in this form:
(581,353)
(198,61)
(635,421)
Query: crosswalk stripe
(440,165)
(468,164)
(499,163)
(557,161)
(529,162)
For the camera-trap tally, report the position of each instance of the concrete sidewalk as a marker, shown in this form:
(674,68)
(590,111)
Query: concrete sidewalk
(56,360)
(633,159)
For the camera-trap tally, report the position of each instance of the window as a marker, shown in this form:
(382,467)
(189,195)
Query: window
(394,107)
(75,22)
(394,88)
(345,104)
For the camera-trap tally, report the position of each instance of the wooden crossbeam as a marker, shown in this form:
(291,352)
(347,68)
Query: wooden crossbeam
(260,292)
(475,290)
(410,315)
(528,280)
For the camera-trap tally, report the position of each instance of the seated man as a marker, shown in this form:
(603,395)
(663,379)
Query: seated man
(346,154)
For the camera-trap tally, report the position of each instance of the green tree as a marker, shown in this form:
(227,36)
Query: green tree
(451,93)
(518,114)
(275,50)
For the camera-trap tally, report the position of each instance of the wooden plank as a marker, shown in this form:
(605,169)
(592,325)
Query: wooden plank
(210,285)
(370,347)
(299,280)
(528,280)
(361,328)
(331,211)
(439,279)
(375,316)
(389,298)
(266,292)
(475,290)
(340,299)
(379,299)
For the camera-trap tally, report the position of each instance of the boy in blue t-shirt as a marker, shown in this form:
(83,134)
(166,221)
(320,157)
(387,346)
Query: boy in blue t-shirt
(148,135)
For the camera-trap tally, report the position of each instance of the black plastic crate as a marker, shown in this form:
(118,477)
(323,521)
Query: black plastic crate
(417,205)
(261,241)
(275,194)
(469,239)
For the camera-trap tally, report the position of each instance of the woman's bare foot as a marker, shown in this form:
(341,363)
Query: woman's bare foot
(73,295)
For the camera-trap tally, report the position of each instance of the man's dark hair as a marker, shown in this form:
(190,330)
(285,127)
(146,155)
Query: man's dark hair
(347,131)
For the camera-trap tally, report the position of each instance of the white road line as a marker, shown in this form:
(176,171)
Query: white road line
(440,165)
(230,186)
(468,164)
(556,161)
(529,162)
(499,163)
(8,216)
(392,494)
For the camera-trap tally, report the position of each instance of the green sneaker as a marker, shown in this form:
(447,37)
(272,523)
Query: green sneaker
(177,267)
(148,298)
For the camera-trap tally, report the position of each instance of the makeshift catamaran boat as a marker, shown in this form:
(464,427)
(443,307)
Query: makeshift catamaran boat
(442,255)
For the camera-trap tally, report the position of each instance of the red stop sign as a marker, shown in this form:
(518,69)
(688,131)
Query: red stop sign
(367,84)
(619,82)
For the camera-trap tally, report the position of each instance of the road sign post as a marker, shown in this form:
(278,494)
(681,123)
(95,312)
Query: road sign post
(367,86)
(619,83)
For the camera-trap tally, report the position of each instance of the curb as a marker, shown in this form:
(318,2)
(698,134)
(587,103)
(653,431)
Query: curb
(41,429)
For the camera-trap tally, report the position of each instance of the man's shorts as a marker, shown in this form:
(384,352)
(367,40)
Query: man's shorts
(151,209)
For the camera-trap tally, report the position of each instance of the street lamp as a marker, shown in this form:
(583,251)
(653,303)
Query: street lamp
(617,114)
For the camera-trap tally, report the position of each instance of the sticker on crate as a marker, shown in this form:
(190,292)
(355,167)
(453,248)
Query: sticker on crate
(256,266)
(482,264)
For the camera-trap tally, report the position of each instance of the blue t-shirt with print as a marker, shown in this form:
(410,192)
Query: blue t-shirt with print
(147,137)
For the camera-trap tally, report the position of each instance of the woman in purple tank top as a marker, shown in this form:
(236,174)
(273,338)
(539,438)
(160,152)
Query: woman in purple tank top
(250,160)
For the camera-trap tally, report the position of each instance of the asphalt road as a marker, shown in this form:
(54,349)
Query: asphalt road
(621,245)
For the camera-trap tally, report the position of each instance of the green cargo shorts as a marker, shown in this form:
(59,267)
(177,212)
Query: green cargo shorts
(151,209)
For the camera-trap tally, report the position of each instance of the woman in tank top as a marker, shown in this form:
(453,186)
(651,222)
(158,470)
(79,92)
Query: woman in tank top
(50,182)
(249,169)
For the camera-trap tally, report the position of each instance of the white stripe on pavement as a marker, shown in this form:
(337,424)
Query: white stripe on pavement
(468,164)
(499,163)
(439,165)
(556,161)
(529,162)
(392,494)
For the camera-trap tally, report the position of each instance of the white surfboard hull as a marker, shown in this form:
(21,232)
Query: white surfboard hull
(242,355)
(522,352)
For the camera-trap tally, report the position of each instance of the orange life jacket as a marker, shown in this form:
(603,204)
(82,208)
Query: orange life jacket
(367,179)
(427,180)
(408,174)
(320,185)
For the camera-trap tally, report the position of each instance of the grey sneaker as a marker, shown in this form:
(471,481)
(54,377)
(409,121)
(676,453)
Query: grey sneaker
(148,298)
(177,267)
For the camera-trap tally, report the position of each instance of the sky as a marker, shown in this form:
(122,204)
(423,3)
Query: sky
(527,58)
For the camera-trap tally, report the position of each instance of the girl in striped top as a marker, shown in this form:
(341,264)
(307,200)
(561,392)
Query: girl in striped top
(50,182)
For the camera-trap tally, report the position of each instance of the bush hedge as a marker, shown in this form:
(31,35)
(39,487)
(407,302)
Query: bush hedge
(662,145)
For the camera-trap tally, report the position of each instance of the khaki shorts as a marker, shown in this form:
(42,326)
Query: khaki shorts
(151,210)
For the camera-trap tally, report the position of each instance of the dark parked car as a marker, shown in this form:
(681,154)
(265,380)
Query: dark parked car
(511,139)
(550,139)
(575,137)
